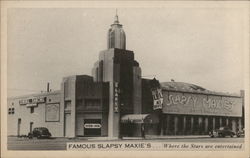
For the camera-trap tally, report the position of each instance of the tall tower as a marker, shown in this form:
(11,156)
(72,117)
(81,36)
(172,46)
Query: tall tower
(117,66)
(116,35)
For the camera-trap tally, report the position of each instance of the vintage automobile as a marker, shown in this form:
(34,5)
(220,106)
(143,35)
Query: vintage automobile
(240,133)
(222,132)
(39,132)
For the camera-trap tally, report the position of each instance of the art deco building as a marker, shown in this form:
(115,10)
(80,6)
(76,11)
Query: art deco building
(116,102)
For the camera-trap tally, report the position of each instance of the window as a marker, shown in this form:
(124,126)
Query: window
(32,110)
(11,111)
(92,103)
(31,126)
(67,105)
(79,104)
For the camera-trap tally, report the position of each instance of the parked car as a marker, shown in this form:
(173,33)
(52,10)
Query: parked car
(240,133)
(39,132)
(221,132)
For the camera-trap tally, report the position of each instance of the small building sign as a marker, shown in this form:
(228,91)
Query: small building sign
(116,97)
(52,112)
(92,125)
(23,102)
(157,98)
(32,101)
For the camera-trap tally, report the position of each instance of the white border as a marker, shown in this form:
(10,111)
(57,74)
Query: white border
(243,5)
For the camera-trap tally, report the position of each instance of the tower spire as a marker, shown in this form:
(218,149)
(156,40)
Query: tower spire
(116,17)
(116,35)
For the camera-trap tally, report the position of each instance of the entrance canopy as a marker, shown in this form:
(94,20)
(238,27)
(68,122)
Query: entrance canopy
(138,118)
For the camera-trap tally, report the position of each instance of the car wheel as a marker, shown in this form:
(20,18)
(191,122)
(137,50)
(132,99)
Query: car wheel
(30,136)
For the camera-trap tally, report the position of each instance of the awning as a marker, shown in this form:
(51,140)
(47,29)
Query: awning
(137,118)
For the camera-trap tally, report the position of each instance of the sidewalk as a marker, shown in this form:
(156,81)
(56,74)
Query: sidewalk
(148,137)
(93,138)
(177,137)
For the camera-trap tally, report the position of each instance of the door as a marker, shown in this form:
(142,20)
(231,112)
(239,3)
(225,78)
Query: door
(92,127)
(31,126)
(67,125)
(18,127)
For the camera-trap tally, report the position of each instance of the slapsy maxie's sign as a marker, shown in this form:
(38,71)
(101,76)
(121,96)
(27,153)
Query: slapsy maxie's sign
(202,104)
(157,98)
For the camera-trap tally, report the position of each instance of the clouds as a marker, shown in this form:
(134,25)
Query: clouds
(197,45)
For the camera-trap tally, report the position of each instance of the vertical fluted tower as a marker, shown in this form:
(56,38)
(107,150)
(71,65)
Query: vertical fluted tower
(116,35)
(117,66)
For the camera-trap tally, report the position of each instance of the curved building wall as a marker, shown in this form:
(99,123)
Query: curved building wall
(192,112)
(185,113)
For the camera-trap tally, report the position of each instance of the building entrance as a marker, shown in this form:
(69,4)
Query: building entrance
(31,126)
(92,127)
(18,127)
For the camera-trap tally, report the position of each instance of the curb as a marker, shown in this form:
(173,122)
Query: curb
(167,137)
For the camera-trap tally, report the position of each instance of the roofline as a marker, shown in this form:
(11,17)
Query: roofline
(208,92)
(36,94)
(204,93)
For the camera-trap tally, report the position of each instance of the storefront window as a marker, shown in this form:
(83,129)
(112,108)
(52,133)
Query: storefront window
(188,125)
(217,122)
(180,125)
(210,123)
(196,125)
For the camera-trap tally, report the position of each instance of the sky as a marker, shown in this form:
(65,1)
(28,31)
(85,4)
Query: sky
(202,46)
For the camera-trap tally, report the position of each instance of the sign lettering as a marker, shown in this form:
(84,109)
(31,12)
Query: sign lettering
(34,100)
(116,97)
(92,125)
(157,98)
(185,103)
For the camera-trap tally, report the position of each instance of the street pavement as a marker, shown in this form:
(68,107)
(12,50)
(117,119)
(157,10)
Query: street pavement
(15,143)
